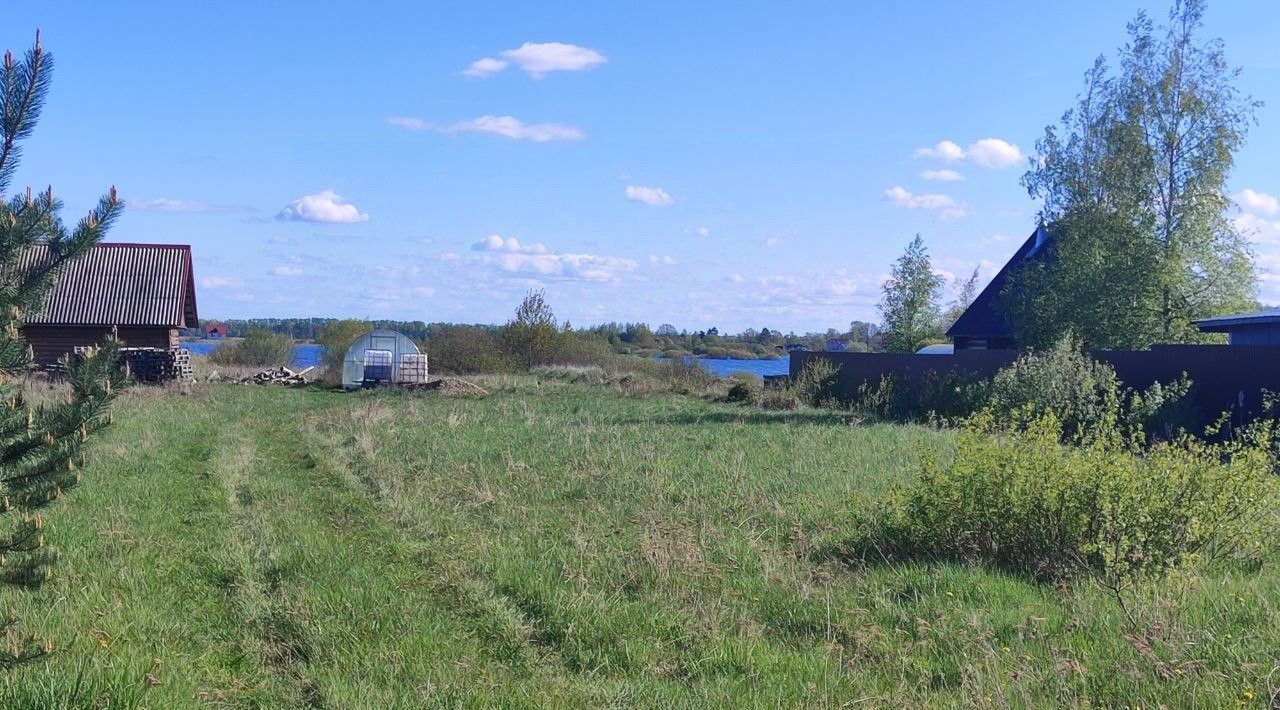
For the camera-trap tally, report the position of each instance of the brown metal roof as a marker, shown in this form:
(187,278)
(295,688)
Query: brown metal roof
(119,284)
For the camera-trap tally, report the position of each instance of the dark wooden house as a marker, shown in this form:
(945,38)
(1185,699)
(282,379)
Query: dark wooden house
(145,291)
(985,325)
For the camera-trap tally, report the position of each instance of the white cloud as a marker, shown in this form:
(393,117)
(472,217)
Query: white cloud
(508,255)
(736,278)
(942,150)
(656,260)
(326,207)
(505,126)
(789,293)
(652,196)
(987,152)
(286,271)
(702,232)
(221,282)
(941,175)
(771,241)
(495,242)
(537,59)
(948,208)
(483,67)
(995,153)
(1259,203)
(1259,230)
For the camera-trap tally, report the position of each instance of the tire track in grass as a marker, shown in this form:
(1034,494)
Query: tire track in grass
(345,614)
(511,635)
(256,582)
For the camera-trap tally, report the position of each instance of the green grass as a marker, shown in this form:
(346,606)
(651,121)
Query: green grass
(565,545)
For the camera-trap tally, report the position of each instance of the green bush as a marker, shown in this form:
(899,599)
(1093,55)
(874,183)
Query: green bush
(818,384)
(926,396)
(467,350)
(1082,393)
(1086,396)
(1022,501)
(778,398)
(336,337)
(744,388)
(258,348)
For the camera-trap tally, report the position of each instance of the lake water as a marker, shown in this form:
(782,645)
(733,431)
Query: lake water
(308,354)
(723,367)
(726,367)
(304,354)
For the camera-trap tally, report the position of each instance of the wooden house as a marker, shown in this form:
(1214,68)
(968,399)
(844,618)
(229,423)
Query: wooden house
(985,324)
(145,291)
(215,329)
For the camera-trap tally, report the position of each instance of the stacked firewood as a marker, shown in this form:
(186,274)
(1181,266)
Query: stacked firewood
(157,364)
(278,376)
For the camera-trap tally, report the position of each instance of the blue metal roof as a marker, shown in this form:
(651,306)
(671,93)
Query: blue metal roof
(1220,324)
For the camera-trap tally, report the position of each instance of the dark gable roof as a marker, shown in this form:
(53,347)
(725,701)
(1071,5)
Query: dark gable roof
(984,318)
(120,284)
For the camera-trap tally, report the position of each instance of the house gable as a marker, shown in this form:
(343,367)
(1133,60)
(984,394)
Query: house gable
(985,324)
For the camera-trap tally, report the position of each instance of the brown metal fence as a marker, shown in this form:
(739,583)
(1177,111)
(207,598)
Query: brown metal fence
(1225,377)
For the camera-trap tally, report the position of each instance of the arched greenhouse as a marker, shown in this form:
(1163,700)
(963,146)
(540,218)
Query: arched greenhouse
(383,357)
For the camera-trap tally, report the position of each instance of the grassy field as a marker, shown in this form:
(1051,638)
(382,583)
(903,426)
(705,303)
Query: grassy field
(565,545)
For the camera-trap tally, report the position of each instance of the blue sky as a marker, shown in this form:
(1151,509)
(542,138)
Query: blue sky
(700,164)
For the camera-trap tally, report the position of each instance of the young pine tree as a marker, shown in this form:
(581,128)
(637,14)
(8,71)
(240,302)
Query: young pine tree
(909,304)
(40,447)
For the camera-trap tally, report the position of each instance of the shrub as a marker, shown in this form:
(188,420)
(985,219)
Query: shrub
(532,337)
(1085,395)
(258,348)
(582,349)
(1022,501)
(467,350)
(336,337)
(778,398)
(928,395)
(817,385)
(744,388)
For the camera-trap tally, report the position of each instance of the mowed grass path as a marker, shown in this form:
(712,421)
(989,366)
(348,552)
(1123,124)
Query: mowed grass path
(558,545)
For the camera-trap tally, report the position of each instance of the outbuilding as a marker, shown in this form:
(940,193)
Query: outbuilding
(146,292)
(383,357)
(215,329)
(1256,328)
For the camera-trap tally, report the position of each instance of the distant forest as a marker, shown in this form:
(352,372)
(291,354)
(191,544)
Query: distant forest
(623,338)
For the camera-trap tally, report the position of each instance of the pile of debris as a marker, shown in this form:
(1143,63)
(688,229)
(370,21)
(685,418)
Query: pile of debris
(157,364)
(278,376)
(450,386)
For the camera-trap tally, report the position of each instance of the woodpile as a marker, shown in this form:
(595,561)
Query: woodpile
(278,376)
(157,364)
